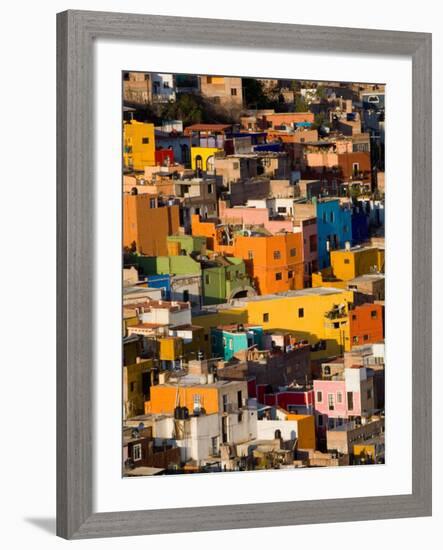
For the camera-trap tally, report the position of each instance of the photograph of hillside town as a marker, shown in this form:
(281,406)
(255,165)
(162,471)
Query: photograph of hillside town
(253,274)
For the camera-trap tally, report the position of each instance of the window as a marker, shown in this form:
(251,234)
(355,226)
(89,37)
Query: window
(336,325)
(165,84)
(346,261)
(207,279)
(265,317)
(331,217)
(355,339)
(293,252)
(239,399)
(354,317)
(324,217)
(350,397)
(197,401)
(320,420)
(374,314)
(331,423)
(290,274)
(206,337)
(233,91)
(355,167)
(330,401)
(225,403)
(319,398)
(235,165)
(214,445)
(313,243)
(186,295)
(132,386)
(209,188)
(231,345)
(209,79)
(250,255)
(281,209)
(327,370)
(278,276)
(366,337)
(339,397)
(301,312)
(137,452)
(145,140)
(277,254)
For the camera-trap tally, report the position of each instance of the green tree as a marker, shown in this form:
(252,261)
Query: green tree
(188,107)
(254,95)
(300,105)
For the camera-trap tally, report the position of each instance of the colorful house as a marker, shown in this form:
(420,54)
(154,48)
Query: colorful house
(334,227)
(318,315)
(138,145)
(202,158)
(225,279)
(146,225)
(349,263)
(343,397)
(229,339)
(366,324)
(138,377)
(273,262)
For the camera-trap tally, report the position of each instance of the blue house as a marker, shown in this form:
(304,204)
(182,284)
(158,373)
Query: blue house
(334,228)
(227,340)
(162,282)
(360,224)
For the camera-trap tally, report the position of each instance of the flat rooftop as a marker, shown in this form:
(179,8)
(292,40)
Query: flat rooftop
(319,291)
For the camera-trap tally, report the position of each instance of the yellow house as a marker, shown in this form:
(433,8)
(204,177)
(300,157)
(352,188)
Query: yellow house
(306,430)
(130,319)
(326,279)
(138,145)
(203,158)
(137,381)
(218,318)
(318,315)
(170,348)
(348,264)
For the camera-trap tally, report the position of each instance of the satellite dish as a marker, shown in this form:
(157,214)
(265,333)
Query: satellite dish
(141,426)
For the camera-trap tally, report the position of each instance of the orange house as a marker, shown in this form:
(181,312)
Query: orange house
(206,229)
(164,398)
(218,397)
(146,225)
(274,262)
(366,324)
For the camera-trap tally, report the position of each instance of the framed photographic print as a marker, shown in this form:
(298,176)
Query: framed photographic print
(244,274)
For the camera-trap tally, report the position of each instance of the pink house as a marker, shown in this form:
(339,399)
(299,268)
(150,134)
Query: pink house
(253,216)
(343,397)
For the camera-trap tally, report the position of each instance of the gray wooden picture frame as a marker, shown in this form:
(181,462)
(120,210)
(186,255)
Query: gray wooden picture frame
(76,32)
